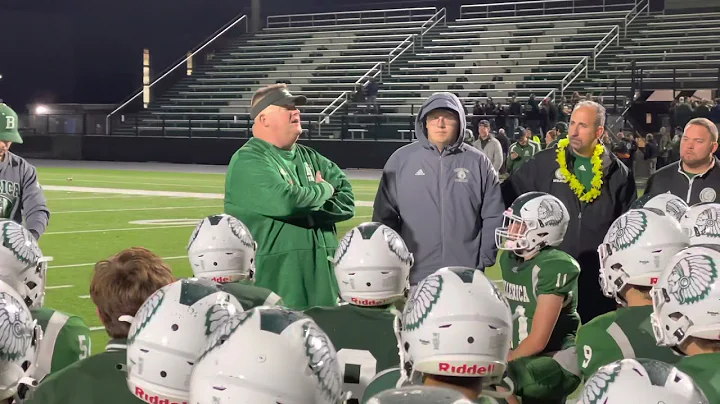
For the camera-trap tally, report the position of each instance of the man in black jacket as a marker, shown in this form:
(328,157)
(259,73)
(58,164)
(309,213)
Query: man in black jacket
(589,219)
(696,177)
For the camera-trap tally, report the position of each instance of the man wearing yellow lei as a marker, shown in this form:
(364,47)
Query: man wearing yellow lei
(595,187)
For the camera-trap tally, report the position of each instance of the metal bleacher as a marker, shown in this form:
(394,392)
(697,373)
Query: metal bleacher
(668,51)
(548,48)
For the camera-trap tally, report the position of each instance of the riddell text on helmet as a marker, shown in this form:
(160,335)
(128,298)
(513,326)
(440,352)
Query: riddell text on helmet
(368,302)
(155,399)
(474,370)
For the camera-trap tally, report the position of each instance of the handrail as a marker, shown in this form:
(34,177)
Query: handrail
(597,52)
(410,45)
(566,81)
(424,30)
(269,20)
(540,6)
(629,20)
(392,52)
(379,71)
(180,62)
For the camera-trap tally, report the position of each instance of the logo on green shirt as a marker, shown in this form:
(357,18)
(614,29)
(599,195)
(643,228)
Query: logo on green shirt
(20,242)
(627,230)
(323,361)
(422,301)
(691,278)
(598,385)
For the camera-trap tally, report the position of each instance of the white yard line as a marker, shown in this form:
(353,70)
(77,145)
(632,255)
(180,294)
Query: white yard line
(59,287)
(96,328)
(139,181)
(136,209)
(84,297)
(89,264)
(181,181)
(97,197)
(121,229)
(145,192)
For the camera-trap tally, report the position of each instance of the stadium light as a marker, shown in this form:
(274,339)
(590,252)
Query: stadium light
(41,110)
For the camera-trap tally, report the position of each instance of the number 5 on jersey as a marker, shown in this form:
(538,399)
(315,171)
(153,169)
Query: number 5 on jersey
(359,367)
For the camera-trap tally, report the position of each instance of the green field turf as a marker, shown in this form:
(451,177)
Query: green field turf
(89,226)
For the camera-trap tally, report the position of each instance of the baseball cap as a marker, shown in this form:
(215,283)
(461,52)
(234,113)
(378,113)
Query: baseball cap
(519,131)
(485,122)
(9,125)
(279,96)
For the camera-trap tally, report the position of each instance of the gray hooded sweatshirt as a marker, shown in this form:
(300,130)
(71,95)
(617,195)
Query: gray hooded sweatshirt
(21,195)
(445,205)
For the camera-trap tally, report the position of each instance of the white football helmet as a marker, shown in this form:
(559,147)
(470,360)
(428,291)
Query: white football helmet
(168,334)
(372,265)
(455,323)
(701,223)
(533,221)
(222,249)
(268,355)
(419,395)
(636,249)
(22,264)
(641,381)
(672,205)
(17,345)
(685,299)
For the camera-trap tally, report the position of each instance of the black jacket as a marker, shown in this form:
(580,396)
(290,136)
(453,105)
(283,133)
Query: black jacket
(671,178)
(588,222)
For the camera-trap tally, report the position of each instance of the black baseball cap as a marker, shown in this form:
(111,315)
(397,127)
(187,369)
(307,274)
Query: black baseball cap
(485,123)
(279,96)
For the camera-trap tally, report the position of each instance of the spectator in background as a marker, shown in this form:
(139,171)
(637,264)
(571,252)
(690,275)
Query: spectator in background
(544,118)
(574,99)
(532,114)
(703,110)
(487,144)
(478,112)
(683,113)
(516,111)
(715,112)
(500,117)
(651,153)
(490,110)
(371,93)
(504,141)
(551,138)
(522,150)
(664,148)
(624,149)
(452,224)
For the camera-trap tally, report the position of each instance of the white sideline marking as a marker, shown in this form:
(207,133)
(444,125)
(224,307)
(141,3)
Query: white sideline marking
(135,209)
(98,197)
(84,296)
(145,192)
(93,263)
(59,287)
(122,229)
(182,181)
(96,328)
(219,185)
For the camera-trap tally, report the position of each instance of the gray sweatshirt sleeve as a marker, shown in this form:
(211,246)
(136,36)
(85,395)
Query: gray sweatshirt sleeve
(491,213)
(385,207)
(497,155)
(34,204)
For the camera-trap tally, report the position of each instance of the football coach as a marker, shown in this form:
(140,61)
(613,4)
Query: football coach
(441,194)
(696,177)
(595,187)
(290,197)
(21,196)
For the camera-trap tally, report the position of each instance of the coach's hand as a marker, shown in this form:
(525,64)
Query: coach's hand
(319,179)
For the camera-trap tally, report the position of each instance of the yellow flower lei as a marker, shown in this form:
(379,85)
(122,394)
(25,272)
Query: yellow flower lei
(572,180)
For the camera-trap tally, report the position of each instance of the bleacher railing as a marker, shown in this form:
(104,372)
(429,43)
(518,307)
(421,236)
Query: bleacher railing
(546,7)
(440,16)
(640,7)
(163,82)
(352,17)
(408,43)
(574,73)
(613,35)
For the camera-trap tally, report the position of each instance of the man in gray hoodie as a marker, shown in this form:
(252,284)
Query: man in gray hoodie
(487,144)
(20,192)
(442,195)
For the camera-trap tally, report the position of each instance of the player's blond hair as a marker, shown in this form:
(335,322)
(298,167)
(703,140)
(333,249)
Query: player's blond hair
(122,283)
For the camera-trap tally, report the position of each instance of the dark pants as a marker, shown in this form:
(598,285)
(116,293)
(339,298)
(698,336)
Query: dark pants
(591,300)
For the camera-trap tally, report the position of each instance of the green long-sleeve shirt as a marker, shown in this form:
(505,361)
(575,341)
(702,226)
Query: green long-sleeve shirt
(525,153)
(292,218)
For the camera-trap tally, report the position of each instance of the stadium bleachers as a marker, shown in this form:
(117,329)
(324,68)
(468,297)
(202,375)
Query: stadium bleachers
(541,48)
(662,46)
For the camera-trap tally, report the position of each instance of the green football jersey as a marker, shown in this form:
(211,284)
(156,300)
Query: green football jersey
(390,379)
(364,339)
(703,369)
(66,340)
(100,378)
(251,296)
(623,334)
(553,272)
